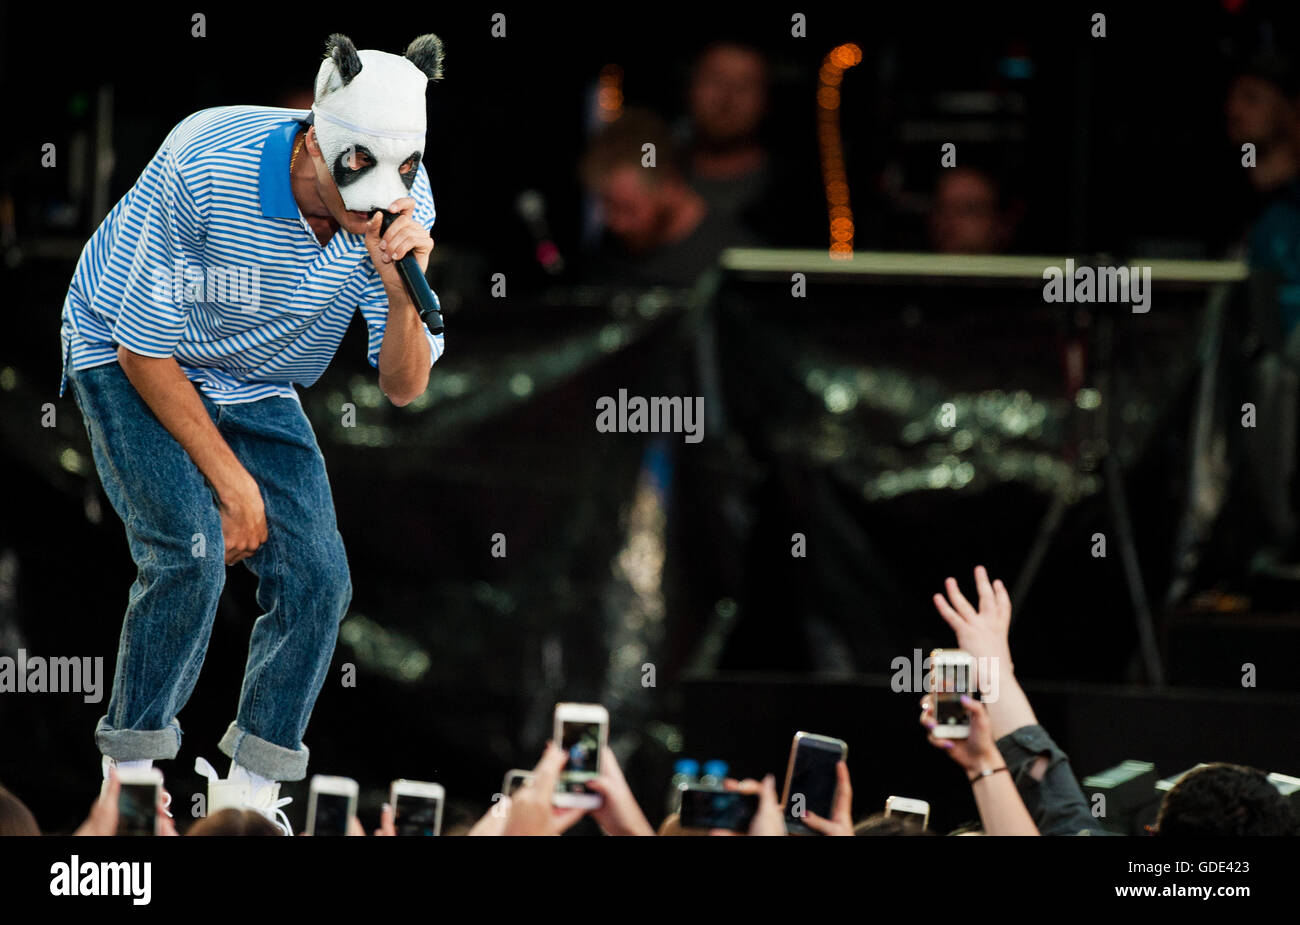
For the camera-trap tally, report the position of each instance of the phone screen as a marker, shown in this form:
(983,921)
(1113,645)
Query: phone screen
(581,742)
(814,777)
(331,814)
(950,682)
(414,815)
(137,808)
(712,809)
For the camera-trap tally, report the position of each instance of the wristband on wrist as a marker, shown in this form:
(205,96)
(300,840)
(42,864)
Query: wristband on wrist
(987,772)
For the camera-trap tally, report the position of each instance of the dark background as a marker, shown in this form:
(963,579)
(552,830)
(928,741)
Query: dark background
(1116,145)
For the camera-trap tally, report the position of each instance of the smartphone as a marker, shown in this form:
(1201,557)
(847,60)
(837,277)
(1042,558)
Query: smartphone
(137,801)
(811,779)
(707,808)
(917,811)
(581,729)
(331,804)
(514,779)
(417,807)
(952,674)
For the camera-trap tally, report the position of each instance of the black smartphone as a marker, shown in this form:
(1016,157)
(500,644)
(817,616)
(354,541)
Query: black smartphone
(417,807)
(331,804)
(811,779)
(137,802)
(702,808)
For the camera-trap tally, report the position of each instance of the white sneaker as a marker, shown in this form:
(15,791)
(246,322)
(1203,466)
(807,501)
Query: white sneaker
(230,794)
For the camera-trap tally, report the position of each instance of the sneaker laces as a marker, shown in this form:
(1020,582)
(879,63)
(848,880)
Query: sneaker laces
(271,809)
(280,818)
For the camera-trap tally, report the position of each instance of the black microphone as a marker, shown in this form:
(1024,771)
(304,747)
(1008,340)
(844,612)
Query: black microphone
(417,287)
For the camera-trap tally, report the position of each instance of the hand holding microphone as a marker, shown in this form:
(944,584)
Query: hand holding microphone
(396,241)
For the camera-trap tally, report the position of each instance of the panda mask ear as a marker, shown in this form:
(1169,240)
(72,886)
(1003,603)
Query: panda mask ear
(426,54)
(344,54)
(341,65)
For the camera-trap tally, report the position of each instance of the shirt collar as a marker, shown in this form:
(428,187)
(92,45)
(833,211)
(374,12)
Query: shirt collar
(276,193)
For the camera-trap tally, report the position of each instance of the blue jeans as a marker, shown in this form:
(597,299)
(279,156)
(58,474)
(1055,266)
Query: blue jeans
(173,528)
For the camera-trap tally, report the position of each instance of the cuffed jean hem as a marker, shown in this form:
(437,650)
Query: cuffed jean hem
(138,744)
(262,757)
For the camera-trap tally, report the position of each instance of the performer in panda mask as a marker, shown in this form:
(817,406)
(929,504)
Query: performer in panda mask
(227,275)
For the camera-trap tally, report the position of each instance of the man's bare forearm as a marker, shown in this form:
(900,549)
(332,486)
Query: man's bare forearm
(176,403)
(404,355)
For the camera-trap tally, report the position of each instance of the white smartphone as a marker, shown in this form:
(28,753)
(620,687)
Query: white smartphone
(514,779)
(417,807)
(952,674)
(811,779)
(581,729)
(917,811)
(137,801)
(331,805)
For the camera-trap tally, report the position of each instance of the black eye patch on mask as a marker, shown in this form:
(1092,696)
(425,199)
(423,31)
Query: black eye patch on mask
(343,173)
(408,176)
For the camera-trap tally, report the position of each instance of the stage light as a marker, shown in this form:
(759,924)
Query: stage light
(834,177)
(609,93)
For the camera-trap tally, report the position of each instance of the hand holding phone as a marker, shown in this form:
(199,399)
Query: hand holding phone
(770,817)
(709,808)
(417,807)
(811,779)
(139,794)
(331,805)
(619,812)
(514,779)
(978,751)
(952,675)
(840,821)
(582,731)
(532,810)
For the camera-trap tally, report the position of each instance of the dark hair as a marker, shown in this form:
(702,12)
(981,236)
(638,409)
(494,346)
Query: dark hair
(1272,68)
(890,826)
(620,144)
(730,44)
(1225,799)
(15,817)
(233,821)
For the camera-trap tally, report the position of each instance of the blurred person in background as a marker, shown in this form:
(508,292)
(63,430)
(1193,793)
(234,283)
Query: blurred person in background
(1260,109)
(969,213)
(727,100)
(770,188)
(658,230)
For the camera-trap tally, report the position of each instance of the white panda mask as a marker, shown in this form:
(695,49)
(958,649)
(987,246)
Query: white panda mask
(369,114)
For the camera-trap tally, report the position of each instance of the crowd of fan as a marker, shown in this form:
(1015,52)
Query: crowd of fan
(1037,795)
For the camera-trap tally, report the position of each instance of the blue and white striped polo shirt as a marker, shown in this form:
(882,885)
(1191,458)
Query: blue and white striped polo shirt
(208,259)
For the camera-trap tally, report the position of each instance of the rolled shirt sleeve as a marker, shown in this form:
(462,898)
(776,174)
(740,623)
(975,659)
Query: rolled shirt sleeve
(1056,802)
